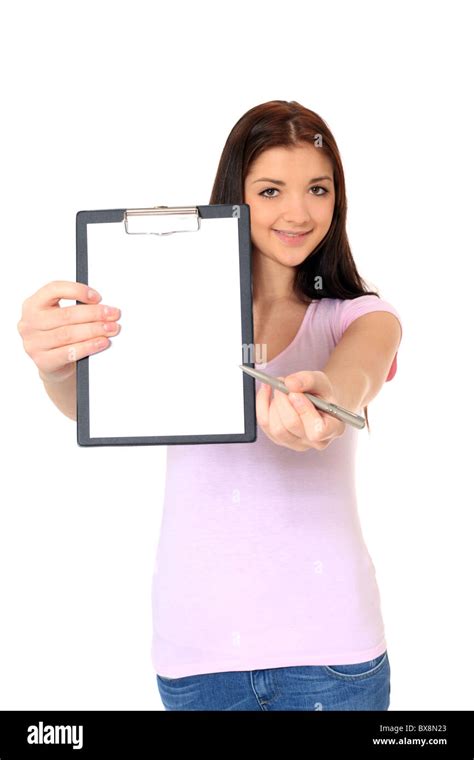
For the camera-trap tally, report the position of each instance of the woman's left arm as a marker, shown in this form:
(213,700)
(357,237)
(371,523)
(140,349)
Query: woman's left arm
(354,374)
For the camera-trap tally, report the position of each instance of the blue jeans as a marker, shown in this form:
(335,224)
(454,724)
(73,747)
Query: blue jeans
(360,686)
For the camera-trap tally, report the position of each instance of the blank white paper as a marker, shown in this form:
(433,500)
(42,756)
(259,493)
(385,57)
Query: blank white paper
(173,368)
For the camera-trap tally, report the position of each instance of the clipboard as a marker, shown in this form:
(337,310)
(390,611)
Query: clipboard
(182,278)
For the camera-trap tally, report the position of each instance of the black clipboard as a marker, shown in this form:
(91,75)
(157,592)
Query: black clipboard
(182,279)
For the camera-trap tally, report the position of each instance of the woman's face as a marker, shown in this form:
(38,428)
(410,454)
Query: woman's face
(289,190)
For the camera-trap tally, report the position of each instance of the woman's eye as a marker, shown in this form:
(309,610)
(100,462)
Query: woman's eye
(273,189)
(267,191)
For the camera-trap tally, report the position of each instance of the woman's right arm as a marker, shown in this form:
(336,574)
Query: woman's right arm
(63,394)
(56,337)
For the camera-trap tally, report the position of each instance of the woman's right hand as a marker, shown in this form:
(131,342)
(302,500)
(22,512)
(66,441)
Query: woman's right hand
(55,337)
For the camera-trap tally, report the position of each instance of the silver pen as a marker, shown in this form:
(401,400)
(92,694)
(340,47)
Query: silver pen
(344,415)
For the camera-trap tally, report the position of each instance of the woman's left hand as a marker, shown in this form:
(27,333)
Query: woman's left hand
(292,420)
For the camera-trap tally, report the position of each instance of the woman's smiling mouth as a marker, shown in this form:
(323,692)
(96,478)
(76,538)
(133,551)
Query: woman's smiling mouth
(291,238)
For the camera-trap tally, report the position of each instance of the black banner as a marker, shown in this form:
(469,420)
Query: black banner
(146,734)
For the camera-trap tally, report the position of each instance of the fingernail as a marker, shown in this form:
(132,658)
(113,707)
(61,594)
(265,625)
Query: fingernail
(93,294)
(296,399)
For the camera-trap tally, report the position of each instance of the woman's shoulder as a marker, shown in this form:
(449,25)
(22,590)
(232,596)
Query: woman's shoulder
(341,312)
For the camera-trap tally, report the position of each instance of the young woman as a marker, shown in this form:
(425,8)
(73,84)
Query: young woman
(264,593)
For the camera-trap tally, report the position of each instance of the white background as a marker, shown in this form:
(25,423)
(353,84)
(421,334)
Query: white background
(114,104)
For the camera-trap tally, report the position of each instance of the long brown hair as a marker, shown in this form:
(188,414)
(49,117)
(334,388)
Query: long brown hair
(287,123)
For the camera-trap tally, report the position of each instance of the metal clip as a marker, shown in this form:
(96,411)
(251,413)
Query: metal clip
(157,220)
